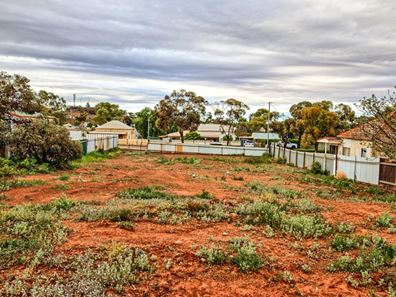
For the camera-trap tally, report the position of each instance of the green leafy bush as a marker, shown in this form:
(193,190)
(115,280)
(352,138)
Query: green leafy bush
(143,193)
(213,255)
(45,142)
(89,274)
(193,135)
(385,220)
(262,213)
(305,226)
(246,259)
(316,168)
(380,255)
(27,230)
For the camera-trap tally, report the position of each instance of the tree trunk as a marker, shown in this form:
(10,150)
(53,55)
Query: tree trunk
(316,146)
(181,136)
(299,140)
(228,136)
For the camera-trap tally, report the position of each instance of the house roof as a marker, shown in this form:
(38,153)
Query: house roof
(356,133)
(330,140)
(114,125)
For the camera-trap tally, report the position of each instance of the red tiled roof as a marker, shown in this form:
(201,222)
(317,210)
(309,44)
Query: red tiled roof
(356,133)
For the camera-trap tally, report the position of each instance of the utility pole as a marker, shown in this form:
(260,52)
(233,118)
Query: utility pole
(268,123)
(74,100)
(148,128)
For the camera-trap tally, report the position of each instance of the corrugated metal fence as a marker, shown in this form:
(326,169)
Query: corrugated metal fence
(388,173)
(358,169)
(94,142)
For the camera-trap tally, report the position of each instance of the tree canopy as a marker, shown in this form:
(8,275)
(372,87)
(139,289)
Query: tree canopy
(106,111)
(16,95)
(381,126)
(144,120)
(182,110)
(229,114)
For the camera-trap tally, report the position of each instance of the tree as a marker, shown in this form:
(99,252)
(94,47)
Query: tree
(128,118)
(105,112)
(298,125)
(283,128)
(144,120)
(193,135)
(15,95)
(52,105)
(381,128)
(81,118)
(347,117)
(259,119)
(319,122)
(45,142)
(181,110)
(229,114)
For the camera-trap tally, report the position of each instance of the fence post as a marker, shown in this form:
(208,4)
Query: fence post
(354,169)
(296,158)
(290,156)
(304,160)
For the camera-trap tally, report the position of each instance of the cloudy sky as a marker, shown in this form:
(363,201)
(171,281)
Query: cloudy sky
(133,52)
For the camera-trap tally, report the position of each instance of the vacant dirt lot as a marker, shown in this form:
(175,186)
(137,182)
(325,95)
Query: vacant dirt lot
(209,226)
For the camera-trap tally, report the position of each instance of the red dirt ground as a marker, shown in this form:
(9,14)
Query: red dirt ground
(100,181)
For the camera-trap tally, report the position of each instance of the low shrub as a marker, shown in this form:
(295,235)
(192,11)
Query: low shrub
(27,231)
(89,274)
(384,220)
(241,252)
(264,159)
(280,160)
(213,255)
(6,185)
(64,177)
(214,213)
(144,193)
(246,259)
(316,168)
(204,195)
(344,243)
(305,226)
(380,255)
(345,228)
(262,213)
(127,225)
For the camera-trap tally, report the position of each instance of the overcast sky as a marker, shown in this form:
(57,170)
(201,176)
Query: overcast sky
(133,52)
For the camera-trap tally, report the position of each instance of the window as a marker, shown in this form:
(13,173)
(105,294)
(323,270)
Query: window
(346,151)
(363,152)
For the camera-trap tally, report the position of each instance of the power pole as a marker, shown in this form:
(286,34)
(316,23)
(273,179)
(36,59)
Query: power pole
(74,100)
(268,122)
(148,128)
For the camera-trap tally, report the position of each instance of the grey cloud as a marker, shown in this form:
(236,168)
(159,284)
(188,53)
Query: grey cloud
(287,49)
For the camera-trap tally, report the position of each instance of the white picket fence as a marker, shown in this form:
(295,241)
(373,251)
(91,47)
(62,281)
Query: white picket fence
(180,148)
(356,168)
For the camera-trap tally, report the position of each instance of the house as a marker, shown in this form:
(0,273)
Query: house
(117,128)
(355,142)
(350,143)
(213,132)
